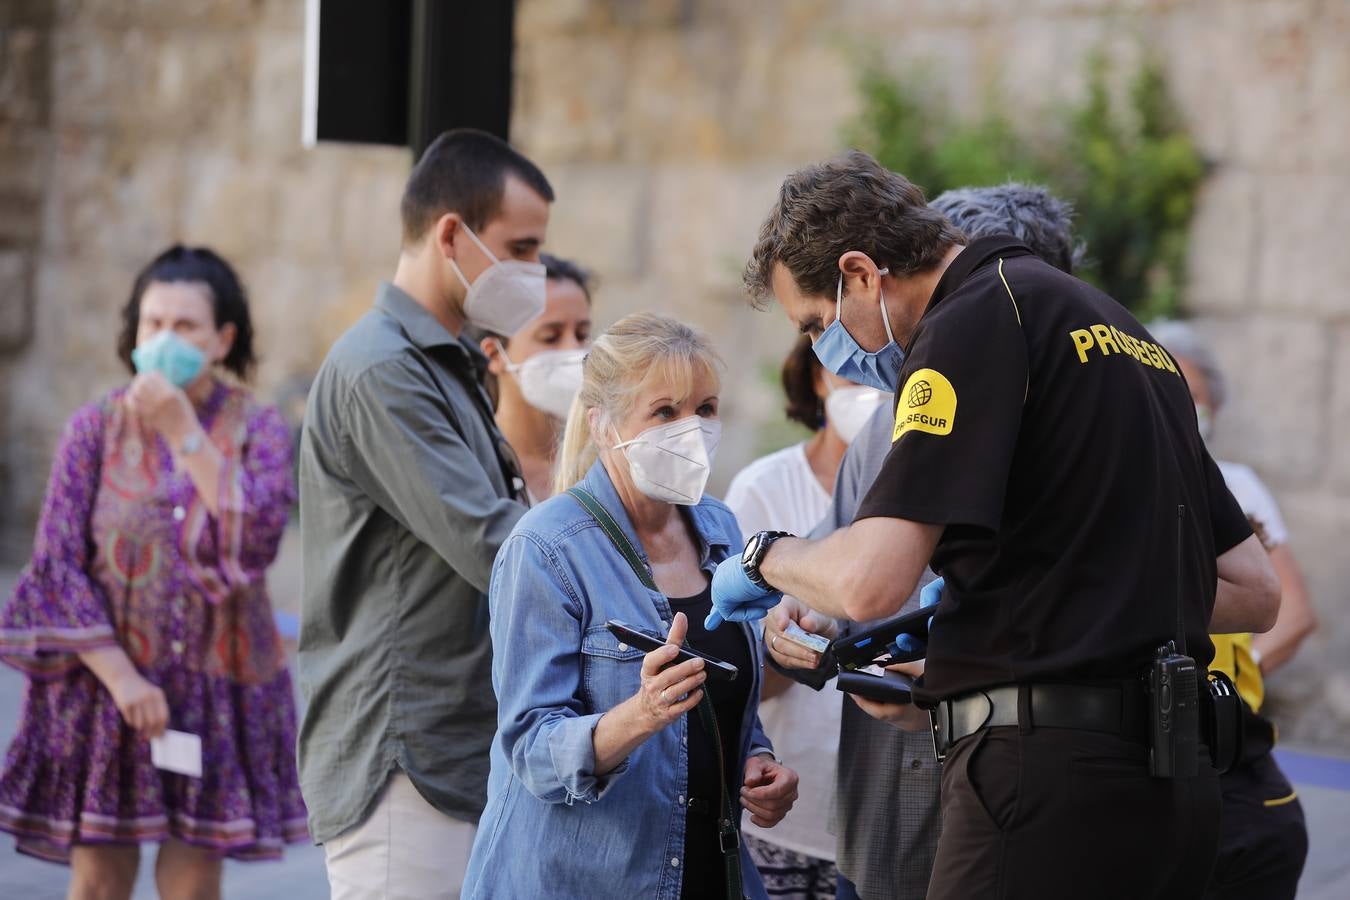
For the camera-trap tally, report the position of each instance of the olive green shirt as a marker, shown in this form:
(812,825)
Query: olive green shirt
(404,501)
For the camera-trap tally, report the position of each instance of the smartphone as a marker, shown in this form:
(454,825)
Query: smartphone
(887,687)
(717,669)
(877,644)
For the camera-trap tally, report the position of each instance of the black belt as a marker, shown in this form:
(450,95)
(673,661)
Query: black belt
(1118,709)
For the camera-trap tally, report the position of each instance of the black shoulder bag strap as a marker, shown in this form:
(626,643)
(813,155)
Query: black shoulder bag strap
(507,461)
(728,835)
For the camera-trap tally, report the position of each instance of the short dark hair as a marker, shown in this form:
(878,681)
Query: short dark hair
(464,171)
(847,203)
(558,269)
(800,371)
(229,301)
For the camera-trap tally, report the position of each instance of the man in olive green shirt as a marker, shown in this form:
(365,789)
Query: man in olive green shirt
(407,490)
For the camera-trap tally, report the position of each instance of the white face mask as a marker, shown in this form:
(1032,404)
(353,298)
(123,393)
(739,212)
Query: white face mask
(549,380)
(506,296)
(848,408)
(1205,420)
(671,462)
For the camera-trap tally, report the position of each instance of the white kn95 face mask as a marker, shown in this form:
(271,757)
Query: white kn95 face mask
(671,462)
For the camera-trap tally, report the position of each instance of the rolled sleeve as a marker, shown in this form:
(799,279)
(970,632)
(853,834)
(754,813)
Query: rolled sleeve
(544,724)
(571,747)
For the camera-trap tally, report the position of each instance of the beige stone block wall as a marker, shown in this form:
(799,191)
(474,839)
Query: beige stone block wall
(666,128)
(677,144)
(160,122)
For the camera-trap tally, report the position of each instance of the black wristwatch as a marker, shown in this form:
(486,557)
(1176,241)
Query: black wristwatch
(753,555)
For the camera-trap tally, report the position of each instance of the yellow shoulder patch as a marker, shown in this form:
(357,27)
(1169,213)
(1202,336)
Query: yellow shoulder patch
(927,402)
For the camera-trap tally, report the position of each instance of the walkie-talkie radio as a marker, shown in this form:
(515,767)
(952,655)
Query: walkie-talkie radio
(1174,692)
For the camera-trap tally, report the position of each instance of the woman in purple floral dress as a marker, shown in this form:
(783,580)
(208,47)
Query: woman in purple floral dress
(145,608)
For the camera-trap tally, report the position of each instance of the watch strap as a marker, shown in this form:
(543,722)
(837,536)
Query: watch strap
(764,540)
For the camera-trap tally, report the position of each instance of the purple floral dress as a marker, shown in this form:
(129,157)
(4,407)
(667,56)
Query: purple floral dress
(126,553)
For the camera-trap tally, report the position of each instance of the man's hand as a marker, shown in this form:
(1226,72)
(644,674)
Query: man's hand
(770,790)
(735,598)
(787,653)
(905,716)
(162,406)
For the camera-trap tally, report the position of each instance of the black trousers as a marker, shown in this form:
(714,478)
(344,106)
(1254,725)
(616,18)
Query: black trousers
(1263,839)
(1062,813)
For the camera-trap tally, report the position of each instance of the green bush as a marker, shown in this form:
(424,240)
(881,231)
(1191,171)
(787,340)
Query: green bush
(1130,169)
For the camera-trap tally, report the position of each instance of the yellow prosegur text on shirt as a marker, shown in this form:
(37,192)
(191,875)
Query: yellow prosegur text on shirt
(1108,339)
(926,403)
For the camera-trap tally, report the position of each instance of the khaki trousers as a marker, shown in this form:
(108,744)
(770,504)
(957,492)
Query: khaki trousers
(404,850)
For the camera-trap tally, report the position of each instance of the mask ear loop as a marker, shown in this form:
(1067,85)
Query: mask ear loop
(512,367)
(481,246)
(881,303)
(621,443)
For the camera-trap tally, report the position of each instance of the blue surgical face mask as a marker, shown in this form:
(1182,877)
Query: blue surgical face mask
(840,353)
(171,356)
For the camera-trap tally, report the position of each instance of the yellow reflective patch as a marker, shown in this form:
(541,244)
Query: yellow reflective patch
(927,402)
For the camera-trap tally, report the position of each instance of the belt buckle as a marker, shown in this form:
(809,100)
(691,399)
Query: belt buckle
(940,722)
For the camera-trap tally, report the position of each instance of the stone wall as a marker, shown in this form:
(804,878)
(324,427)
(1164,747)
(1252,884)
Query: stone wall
(127,126)
(666,126)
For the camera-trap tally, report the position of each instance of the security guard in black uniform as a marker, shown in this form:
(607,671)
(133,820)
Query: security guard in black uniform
(1046,460)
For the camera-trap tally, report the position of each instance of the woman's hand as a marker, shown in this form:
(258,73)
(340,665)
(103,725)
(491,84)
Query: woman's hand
(770,790)
(668,693)
(664,695)
(162,406)
(141,703)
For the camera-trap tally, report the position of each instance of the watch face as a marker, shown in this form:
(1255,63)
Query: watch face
(748,554)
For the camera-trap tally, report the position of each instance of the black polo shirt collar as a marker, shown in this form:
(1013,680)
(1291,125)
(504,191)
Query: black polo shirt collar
(977,253)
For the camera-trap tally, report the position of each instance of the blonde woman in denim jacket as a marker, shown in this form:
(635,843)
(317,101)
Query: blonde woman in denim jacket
(604,781)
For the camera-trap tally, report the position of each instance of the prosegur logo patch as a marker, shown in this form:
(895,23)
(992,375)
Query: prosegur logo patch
(926,403)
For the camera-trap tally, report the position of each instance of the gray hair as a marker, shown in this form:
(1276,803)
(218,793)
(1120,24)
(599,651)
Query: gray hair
(1028,212)
(1180,339)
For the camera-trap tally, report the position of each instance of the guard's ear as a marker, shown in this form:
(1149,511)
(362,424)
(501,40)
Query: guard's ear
(861,273)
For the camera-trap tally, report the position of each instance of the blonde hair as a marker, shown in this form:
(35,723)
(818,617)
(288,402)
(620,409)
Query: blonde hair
(634,352)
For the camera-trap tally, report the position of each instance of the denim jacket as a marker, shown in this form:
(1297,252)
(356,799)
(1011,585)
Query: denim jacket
(553,827)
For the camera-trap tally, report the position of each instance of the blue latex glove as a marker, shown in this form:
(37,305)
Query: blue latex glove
(735,598)
(908,644)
